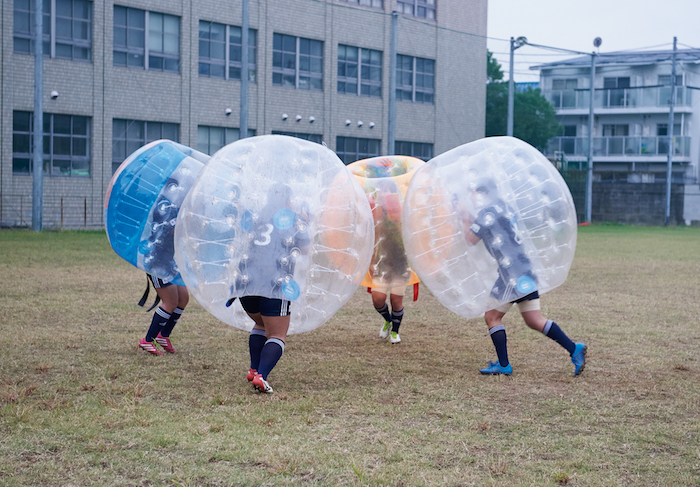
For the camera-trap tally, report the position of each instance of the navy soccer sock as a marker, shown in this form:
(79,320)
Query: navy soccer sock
(384,311)
(172,321)
(499,339)
(256,342)
(552,330)
(396,317)
(160,318)
(271,353)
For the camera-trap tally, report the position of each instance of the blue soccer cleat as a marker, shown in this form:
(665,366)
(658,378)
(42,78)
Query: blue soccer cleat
(578,358)
(497,369)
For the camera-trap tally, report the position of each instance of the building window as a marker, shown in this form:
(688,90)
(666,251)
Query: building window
(211,139)
(66,144)
(66,24)
(367,3)
(425,9)
(359,71)
(221,59)
(616,130)
(297,62)
(130,135)
(419,150)
(565,83)
(665,79)
(619,82)
(415,79)
(662,129)
(318,138)
(147,40)
(351,149)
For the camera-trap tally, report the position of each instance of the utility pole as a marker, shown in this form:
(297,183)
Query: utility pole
(38,149)
(514,44)
(243,130)
(391,126)
(669,132)
(589,173)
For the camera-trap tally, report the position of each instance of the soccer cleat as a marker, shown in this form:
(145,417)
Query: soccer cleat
(261,384)
(150,347)
(578,358)
(251,374)
(165,343)
(497,369)
(394,337)
(385,329)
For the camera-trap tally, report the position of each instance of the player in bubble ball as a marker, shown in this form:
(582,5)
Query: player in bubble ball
(495,224)
(281,236)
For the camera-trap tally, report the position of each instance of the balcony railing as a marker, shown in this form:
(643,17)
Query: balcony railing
(658,96)
(619,146)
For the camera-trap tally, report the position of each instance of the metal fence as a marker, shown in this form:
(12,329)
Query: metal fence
(64,212)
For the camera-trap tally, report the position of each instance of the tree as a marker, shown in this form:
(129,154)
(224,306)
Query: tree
(534,118)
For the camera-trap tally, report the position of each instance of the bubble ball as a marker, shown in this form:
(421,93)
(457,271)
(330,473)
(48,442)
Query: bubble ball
(506,197)
(278,217)
(385,181)
(142,204)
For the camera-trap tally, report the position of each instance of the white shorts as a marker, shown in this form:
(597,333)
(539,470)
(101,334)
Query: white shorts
(523,306)
(397,289)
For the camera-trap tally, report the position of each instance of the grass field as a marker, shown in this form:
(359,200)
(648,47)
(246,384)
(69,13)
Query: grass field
(80,405)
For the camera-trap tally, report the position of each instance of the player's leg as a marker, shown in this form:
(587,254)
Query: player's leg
(532,314)
(497,332)
(396,300)
(168,302)
(275,316)
(163,338)
(379,302)
(257,337)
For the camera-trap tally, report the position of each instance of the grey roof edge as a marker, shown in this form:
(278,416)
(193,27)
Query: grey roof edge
(625,57)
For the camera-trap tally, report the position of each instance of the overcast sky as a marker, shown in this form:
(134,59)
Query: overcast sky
(573,24)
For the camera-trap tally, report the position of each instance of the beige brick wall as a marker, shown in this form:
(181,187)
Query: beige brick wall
(98,89)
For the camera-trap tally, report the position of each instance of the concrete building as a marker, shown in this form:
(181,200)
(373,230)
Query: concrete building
(127,72)
(631,117)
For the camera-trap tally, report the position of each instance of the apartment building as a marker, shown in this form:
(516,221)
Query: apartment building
(631,135)
(117,75)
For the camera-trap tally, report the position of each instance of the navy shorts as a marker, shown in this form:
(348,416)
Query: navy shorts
(529,297)
(265,306)
(157,282)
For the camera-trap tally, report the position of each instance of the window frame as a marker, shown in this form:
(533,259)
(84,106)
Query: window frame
(131,144)
(418,95)
(422,9)
(316,138)
(349,157)
(368,3)
(227,63)
(362,83)
(54,44)
(148,56)
(419,150)
(303,79)
(225,131)
(54,163)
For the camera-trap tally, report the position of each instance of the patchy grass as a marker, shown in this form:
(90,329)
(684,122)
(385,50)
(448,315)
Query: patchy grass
(80,405)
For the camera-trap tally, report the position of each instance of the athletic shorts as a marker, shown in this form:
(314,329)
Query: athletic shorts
(265,306)
(157,282)
(531,302)
(397,289)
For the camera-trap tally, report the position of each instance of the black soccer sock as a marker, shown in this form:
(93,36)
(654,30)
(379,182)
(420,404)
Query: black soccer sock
(256,342)
(552,330)
(499,339)
(160,318)
(271,353)
(172,321)
(384,311)
(396,317)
